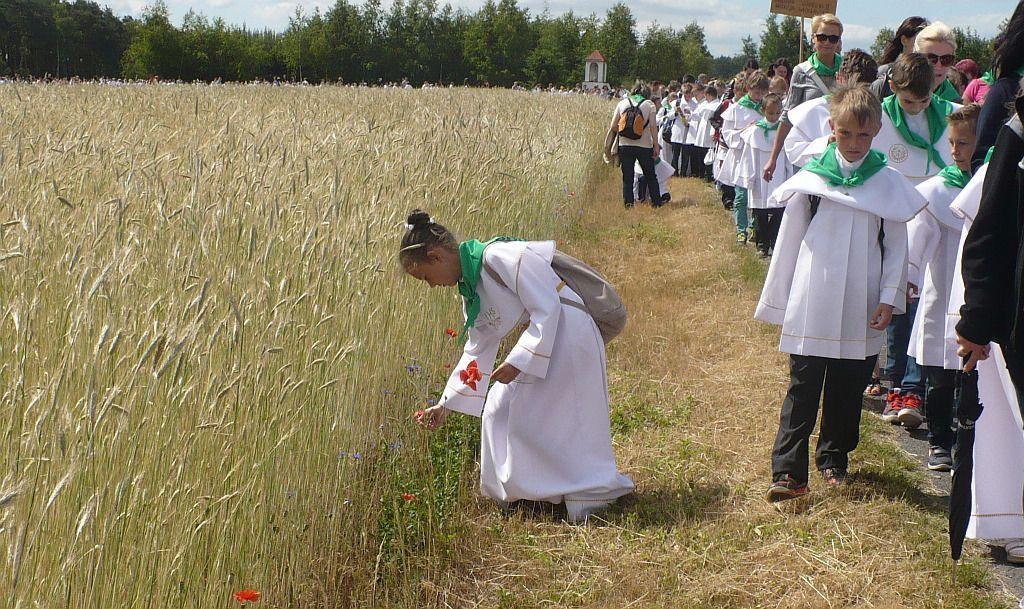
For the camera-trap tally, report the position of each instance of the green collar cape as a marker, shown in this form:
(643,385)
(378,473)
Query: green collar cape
(637,99)
(827,166)
(948,92)
(990,78)
(766,126)
(935,113)
(821,68)
(954,177)
(746,102)
(471,254)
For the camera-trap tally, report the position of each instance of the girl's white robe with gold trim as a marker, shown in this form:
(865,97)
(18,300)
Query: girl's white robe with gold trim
(998,480)
(828,273)
(934,239)
(545,436)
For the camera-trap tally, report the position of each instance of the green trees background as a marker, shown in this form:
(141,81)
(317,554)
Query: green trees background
(501,43)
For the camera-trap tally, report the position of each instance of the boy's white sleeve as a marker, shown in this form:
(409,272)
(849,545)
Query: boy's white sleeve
(771,307)
(534,282)
(923,234)
(457,395)
(894,266)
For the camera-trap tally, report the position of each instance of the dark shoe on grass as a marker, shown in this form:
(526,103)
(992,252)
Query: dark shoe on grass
(786,488)
(834,477)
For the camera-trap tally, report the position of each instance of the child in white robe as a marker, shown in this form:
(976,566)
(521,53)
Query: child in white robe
(758,140)
(838,274)
(545,431)
(666,115)
(934,237)
(913,137)
(809,120)
(705,131)
(744,112)
(664,171)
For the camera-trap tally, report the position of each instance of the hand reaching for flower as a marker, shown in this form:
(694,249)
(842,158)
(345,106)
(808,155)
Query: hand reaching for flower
(432,418)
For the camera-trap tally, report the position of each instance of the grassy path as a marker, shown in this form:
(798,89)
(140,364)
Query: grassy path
(696,386)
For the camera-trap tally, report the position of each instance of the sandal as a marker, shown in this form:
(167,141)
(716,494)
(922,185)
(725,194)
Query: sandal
(875,389)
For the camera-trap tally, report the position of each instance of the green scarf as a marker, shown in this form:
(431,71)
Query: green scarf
(821,68)
(827,166)
(988,155)
(746,102)
(948,92)
(637,99)
(471,253)
(954,177)
(936,114)
(990,78)
(766,126)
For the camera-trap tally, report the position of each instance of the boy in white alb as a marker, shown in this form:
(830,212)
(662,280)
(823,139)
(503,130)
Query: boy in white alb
(737,117)
(809,120)
(934,238)
(758,140)
(838,273)
(913,137)
(664,172)
(705,131)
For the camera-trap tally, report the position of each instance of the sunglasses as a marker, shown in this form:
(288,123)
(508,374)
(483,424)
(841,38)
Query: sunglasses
(833,38)
(945,60)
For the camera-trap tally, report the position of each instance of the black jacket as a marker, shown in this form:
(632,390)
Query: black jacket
(993,256)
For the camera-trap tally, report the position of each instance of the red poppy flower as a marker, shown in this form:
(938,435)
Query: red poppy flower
(418,415)
(447,366)
(409,497)
(471,375)
(451,332)
(244,596)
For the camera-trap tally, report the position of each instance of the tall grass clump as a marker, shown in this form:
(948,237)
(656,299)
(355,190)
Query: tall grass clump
(208,354)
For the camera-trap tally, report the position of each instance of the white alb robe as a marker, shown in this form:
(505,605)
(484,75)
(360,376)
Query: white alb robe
(664,115)
(546,435)
(692,121)
(997,484)
(705,132)
(810,122)
(828,273)
(757,149)
(735,119)
(934,237)
(909,160)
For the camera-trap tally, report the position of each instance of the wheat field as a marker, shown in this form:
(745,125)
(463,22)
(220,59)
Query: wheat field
(208,354)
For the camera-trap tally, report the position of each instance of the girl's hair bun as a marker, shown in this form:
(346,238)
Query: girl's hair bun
(418,219)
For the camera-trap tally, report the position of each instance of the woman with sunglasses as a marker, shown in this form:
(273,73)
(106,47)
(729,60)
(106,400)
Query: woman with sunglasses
(902,43)
(811,79)
(938,43)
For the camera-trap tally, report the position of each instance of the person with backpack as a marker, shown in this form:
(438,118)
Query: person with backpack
(545,433)
(636,130)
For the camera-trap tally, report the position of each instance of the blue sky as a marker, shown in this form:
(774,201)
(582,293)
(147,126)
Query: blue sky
(725,21)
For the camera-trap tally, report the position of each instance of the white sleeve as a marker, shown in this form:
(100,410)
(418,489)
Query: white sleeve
(923,234)
(894,266)
(534,282)
(457,395)
(771,307)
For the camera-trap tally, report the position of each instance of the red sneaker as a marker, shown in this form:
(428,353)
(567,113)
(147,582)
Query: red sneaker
(910,415)
(786,488)
(893,405)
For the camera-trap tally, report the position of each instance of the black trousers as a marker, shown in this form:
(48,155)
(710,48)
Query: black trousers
(728,195)
(629,155)
(843,382)
(768,222)
(697,161)
(679,159)
(938,405)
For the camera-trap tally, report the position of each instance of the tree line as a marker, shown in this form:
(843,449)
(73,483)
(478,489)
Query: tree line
(500,44)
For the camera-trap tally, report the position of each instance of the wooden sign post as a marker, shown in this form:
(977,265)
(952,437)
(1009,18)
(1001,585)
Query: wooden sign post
(801,9)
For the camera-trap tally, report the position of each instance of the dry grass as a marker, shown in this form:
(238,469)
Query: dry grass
(696,387)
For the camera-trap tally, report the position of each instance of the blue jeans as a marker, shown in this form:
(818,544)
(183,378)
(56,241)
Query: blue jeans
(739,210)
(901,369)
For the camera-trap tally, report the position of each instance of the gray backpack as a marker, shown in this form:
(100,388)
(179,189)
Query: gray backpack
(600,300)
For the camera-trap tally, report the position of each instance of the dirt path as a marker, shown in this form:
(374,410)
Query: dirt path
(696,386)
